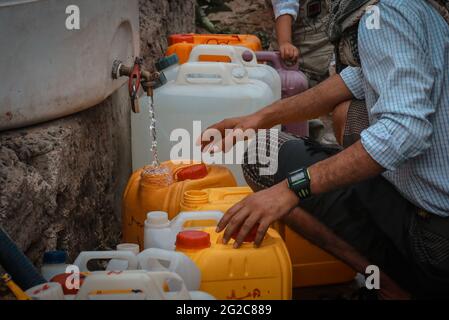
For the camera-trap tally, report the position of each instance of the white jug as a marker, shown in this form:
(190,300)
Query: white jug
(86,256)
(133,285)
(154,259)
(120,264)
(207,92)
(245,57)
(161,233)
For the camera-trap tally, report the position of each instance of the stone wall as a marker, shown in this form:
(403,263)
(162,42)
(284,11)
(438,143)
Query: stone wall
(61,182)
(158,19)
(241,16)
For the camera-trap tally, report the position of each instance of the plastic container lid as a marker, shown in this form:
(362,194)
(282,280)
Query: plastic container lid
(159,218)
(247,56)
(167,62)
(55,257)
(195,172)
(191,239)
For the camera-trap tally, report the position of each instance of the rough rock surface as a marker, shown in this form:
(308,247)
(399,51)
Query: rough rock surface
(158,19)
(245,17)
(61,182)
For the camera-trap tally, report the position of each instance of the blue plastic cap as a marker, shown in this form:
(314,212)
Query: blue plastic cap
(167,62)
(55,257)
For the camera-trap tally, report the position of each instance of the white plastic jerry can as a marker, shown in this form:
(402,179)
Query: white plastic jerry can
(245,57)
(128,259)
(134,285)
(205,93)
(154,259)
(161,233)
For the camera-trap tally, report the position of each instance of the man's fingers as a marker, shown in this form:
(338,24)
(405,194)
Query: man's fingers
(228,216)
(246,228)
(261,232)
(235,224)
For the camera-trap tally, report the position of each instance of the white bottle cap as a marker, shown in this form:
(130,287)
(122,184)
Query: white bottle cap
(157,218)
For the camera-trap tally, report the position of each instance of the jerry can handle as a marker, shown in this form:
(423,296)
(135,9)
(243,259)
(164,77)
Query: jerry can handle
(179,221)
(177,262)
(155,255)
(163,278)
(240,191)
(86,256)
(223,39)
(235,53)
(275,58)
(229,73)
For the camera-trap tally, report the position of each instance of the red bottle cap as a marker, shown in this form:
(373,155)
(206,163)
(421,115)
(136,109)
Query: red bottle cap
(62,280)
(177,38)
(251,237)
(195,240)
(195,172)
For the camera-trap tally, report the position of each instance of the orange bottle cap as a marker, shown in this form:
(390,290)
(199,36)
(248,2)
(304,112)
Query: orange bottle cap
(195,172)
(196,240)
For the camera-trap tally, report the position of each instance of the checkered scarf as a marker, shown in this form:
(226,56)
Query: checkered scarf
(344,19)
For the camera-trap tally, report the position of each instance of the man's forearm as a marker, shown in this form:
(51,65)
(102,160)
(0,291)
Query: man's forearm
(350,166)
(311,104)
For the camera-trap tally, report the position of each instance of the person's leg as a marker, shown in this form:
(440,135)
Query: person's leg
(317,233)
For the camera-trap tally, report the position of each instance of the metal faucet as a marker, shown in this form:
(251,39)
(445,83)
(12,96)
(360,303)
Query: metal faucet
(138,77)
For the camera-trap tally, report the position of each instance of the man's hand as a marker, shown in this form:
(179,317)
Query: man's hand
(253,121)
(288,52)
(262,208)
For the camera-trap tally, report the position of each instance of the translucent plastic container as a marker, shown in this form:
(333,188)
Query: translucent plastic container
(247,58)
(182,44)
(205,93)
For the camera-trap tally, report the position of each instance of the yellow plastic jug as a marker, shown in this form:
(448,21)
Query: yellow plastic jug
(311,265)
(213,199)
(246,273)
(147,191)
(182,44)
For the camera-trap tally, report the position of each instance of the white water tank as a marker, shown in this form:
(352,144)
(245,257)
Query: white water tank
(49,71)
(207,92)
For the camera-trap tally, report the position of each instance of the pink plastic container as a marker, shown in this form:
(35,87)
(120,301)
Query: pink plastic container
(293,82)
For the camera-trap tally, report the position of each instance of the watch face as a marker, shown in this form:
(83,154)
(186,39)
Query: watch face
(299,176)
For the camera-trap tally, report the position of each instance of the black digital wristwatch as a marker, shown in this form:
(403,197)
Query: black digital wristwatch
(299,183)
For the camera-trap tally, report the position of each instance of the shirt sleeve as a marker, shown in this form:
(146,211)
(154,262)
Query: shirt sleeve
(283,7)
(353,78)
(397,66)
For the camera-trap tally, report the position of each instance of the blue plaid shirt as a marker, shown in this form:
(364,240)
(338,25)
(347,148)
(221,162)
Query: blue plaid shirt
(282,7)
(405,81)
